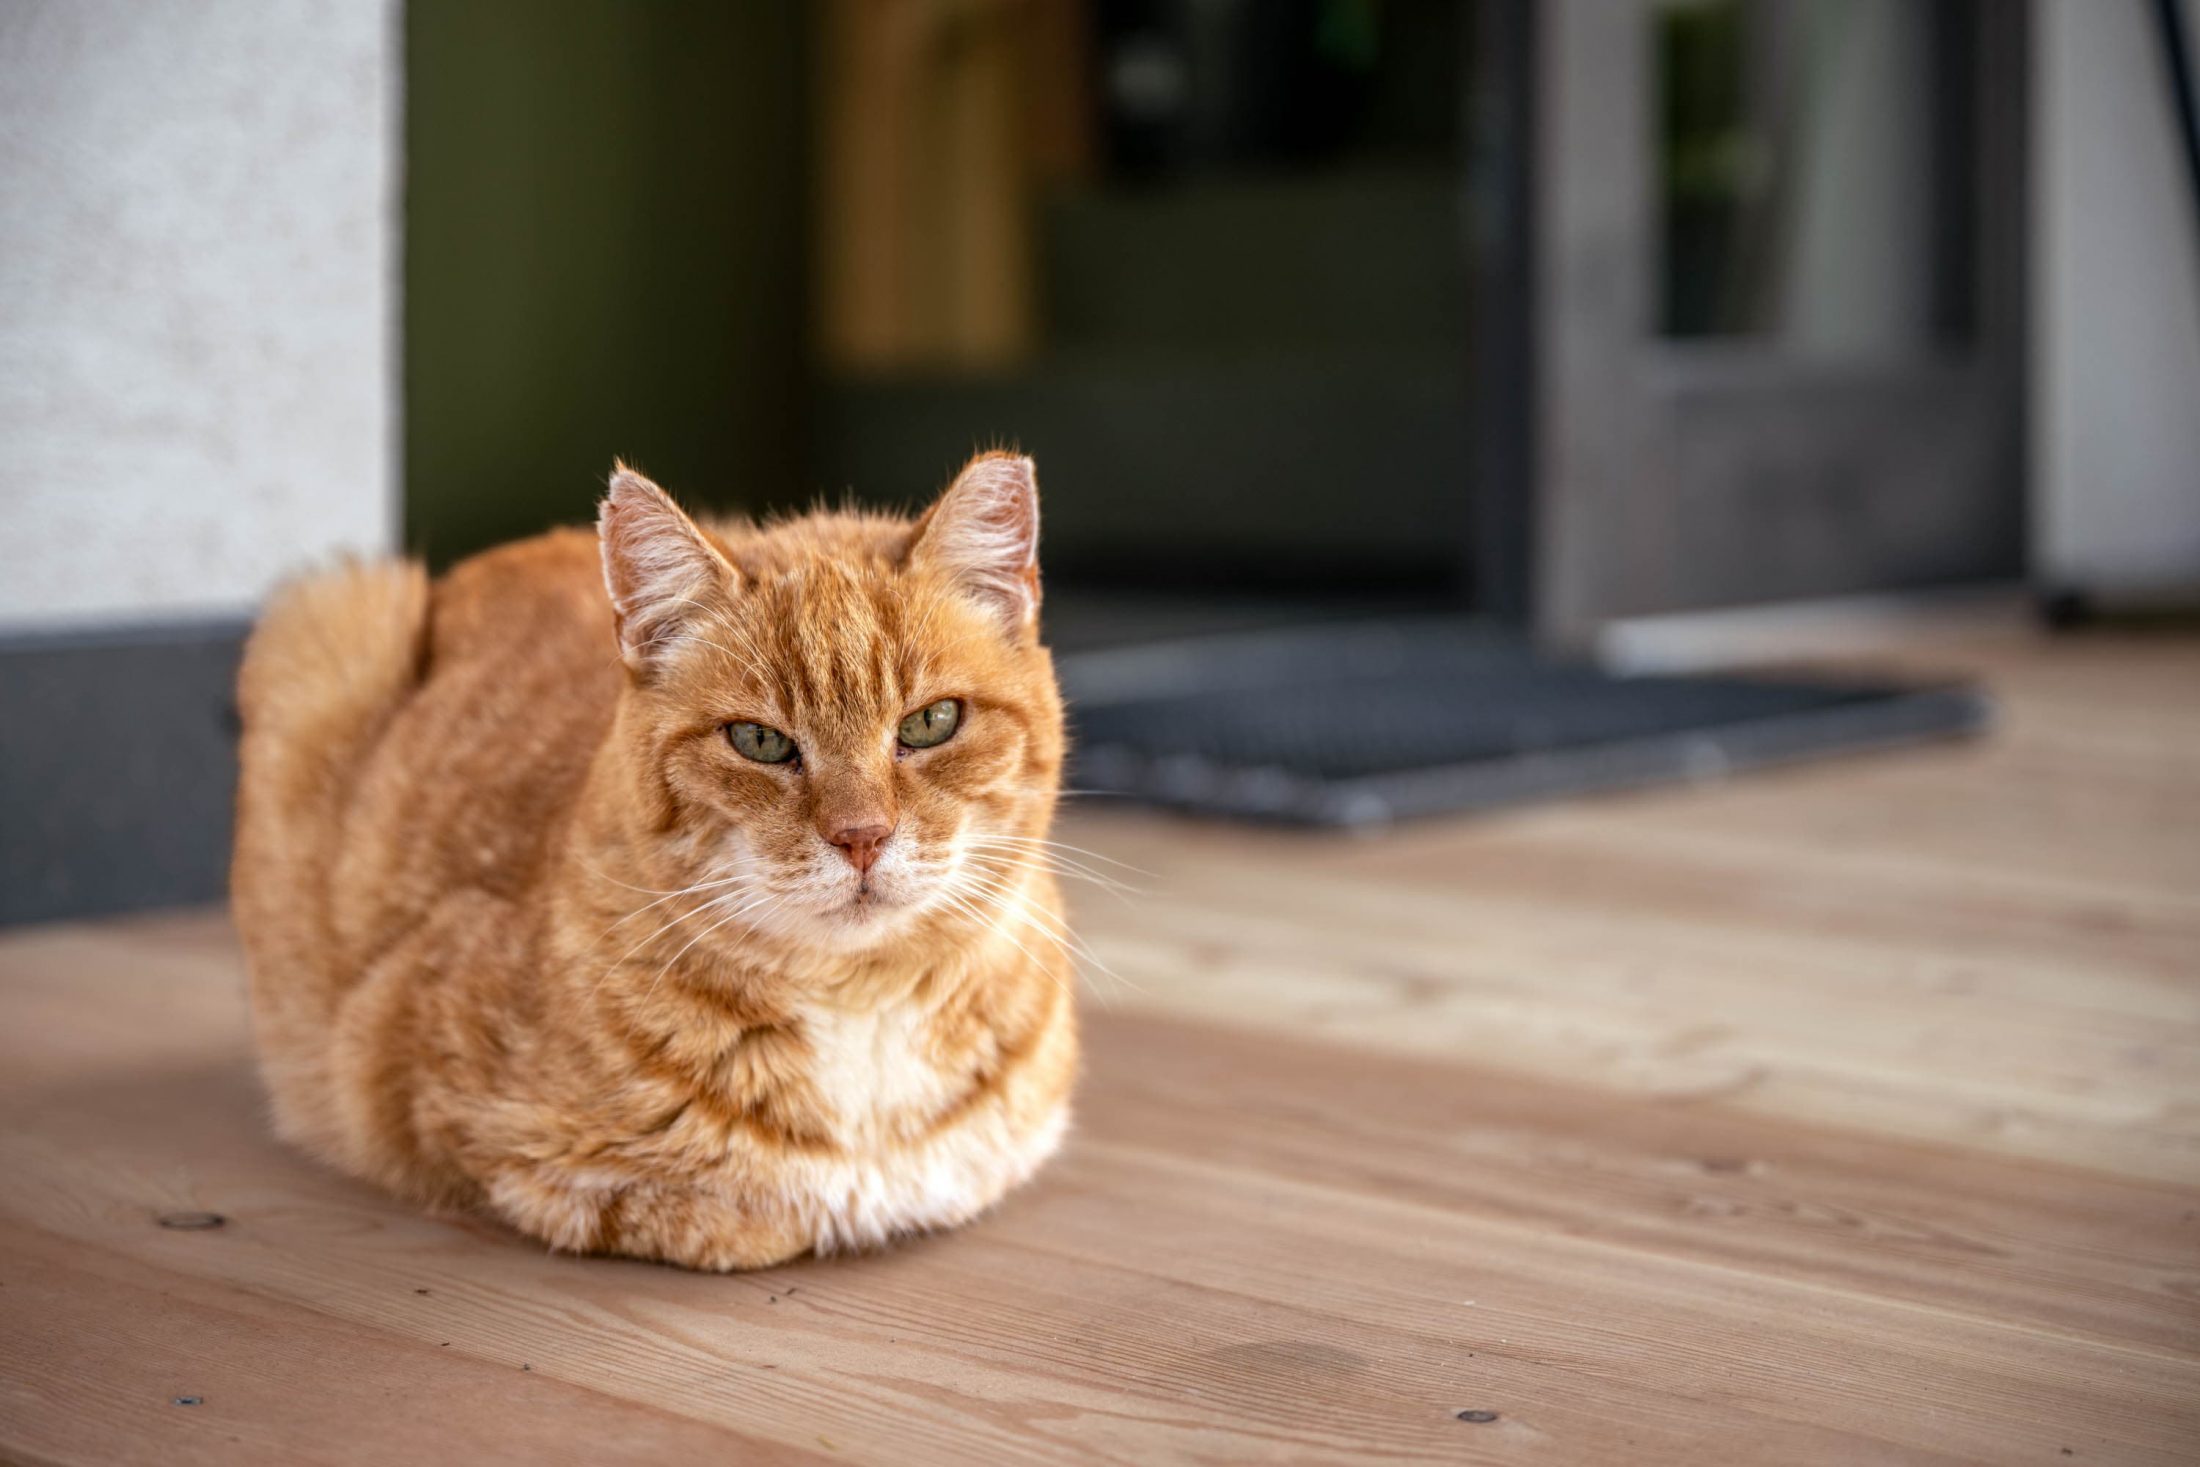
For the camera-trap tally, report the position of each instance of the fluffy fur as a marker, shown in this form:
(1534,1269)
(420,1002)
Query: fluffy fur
(527,933)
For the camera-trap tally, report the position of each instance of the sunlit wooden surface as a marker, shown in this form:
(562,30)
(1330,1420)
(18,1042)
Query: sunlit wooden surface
(1846,1114)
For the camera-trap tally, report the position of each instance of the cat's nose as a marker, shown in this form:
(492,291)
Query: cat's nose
(860,844)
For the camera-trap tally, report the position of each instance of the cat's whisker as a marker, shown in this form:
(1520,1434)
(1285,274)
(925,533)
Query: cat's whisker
(999,930)
(1011,862)
(666,897)
(603,875)
(1041,853)
(1017,869)
(996,923)
(1034,860)
(686,916)
(1046,923)
(1063,845)
(1081,953)
(1059,932)
(1063,856)
(676,921)
(754,904)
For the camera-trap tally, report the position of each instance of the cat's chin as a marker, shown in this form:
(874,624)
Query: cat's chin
(860,922)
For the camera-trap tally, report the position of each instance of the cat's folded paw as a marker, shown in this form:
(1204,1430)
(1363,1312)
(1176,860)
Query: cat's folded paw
(691,1227)
(696,1229)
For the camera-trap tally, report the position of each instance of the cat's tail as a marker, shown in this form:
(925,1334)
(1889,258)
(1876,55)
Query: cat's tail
(332,661)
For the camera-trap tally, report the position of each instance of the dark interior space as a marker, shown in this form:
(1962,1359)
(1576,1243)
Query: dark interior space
(1211,276)
(603,254)
(1262,288)
(1262,291)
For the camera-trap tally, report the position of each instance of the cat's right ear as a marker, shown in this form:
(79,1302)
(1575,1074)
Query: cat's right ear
(660,569)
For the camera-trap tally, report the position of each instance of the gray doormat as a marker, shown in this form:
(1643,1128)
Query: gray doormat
(1366,723)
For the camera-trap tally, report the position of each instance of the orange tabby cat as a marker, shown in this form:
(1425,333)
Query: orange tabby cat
(706,921)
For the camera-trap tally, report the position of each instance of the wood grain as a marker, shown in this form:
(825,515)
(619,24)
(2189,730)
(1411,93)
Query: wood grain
(1846,1114)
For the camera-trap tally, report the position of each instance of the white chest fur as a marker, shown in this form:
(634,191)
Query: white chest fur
(897,1175)
(872,1068)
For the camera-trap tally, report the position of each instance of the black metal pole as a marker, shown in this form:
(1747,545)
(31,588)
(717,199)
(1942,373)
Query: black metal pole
(1499,193)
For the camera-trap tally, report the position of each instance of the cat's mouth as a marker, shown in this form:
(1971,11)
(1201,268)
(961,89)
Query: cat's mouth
(861,919)
(870,906)
(870,899)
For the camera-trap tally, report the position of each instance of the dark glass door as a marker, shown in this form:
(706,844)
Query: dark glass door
(1206,262)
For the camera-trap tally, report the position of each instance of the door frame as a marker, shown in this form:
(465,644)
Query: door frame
(1620,473)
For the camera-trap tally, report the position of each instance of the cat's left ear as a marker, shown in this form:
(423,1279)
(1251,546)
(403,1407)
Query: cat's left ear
(661,570)
(984,532)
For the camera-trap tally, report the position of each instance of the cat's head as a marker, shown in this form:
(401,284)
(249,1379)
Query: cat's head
(848,719)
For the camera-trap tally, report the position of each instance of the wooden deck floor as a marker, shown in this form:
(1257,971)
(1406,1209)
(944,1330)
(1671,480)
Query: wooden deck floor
(1848,1114)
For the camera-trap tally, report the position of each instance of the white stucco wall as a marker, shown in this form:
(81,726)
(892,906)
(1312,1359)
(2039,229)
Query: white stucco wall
(2116,345)
(198,297)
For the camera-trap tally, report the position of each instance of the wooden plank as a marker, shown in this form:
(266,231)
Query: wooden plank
(1820,1117)
(105,1361)
(2083,1254)
(1200,1277)
(1993,946)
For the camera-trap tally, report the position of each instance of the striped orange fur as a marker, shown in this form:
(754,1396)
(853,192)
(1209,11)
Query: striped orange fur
(529,934)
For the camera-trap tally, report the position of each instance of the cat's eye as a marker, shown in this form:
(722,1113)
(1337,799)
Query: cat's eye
(764,745)
(934,723)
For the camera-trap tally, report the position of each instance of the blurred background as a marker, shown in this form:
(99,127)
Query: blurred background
(1544,317)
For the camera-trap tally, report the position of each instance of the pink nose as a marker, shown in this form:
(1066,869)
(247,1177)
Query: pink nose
(860,844)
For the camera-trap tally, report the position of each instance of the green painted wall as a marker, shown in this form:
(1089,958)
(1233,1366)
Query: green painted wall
(603,256)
